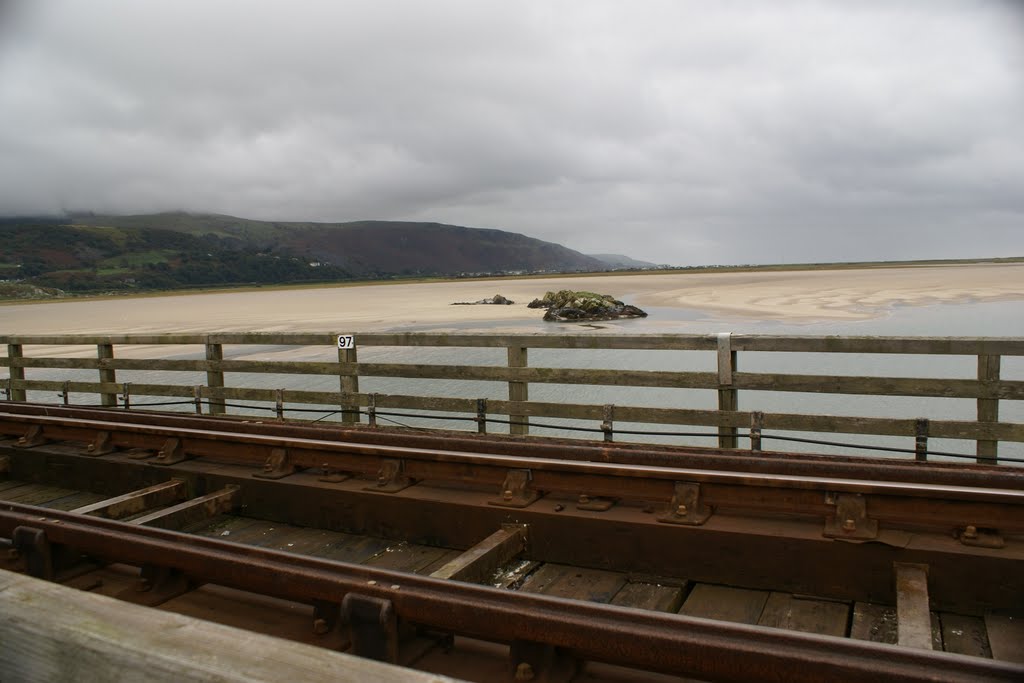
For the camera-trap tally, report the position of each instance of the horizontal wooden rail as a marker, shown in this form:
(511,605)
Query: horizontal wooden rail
(511,368)
(962,346)
(868,386)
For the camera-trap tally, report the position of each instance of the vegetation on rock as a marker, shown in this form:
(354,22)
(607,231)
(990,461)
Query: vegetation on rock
(496,300)
(569,305)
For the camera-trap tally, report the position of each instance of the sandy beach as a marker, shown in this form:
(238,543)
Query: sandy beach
(797,296)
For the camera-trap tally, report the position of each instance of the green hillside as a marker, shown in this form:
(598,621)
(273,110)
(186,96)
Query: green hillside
(86,253)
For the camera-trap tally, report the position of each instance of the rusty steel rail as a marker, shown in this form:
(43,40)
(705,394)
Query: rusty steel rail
(647,640)
(953,506)
(858,467)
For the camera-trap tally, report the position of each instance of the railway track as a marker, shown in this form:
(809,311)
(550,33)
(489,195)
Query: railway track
(484,557)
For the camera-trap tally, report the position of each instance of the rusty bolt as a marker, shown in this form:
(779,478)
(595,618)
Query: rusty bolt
(268,466)
(381,478)
(91,447)
(681,511)
(320,626)
(971,532)
(507,495)
(559,507)
(524,672)
(584,499)
(849,525)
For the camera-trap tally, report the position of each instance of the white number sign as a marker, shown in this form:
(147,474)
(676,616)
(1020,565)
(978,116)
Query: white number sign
(346,341)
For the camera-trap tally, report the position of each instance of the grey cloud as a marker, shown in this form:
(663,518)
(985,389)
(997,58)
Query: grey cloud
(677,132)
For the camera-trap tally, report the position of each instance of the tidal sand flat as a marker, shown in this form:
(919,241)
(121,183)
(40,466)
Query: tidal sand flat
(847,294)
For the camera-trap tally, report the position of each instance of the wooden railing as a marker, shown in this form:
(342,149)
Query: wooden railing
(987,389)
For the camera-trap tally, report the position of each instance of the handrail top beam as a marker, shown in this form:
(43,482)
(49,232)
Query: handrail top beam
(992,346)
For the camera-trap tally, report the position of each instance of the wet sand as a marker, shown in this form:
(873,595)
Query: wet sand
(774,295)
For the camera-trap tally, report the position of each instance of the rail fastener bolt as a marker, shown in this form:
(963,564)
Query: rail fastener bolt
(524,672)
(971,532)
(849,525)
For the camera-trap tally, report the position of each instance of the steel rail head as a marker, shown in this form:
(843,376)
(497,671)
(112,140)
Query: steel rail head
(853,466)
(649,640)
(1011,493)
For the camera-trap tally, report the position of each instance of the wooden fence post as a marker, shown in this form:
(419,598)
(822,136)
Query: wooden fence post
(518,391)
(921,439)
(988,408)
(108,399)
(481,415)
(756,427)
(15,352)
(727,397)
(215,376)
(349,387)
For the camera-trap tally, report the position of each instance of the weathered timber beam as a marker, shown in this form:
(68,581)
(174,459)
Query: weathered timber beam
(137,501)
(481,561)
(191,511)
(913,615)
(968,346)
(831,384)
(954,346)
(54,633)
(880,386)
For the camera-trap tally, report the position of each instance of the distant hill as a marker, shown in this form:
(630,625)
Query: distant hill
(88,252)
(618,261)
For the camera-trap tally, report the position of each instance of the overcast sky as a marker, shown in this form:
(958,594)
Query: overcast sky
(675,132)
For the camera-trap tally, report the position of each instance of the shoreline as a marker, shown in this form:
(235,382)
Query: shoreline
(844,294)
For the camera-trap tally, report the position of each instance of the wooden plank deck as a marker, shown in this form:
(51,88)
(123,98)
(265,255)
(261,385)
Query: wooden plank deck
(725,603)
(798,613)
(1005,632)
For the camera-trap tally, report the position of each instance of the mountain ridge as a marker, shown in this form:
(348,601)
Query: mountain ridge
(86,252)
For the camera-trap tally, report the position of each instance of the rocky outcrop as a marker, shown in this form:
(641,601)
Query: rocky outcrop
(571,306)
(20,290)
(496,300)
